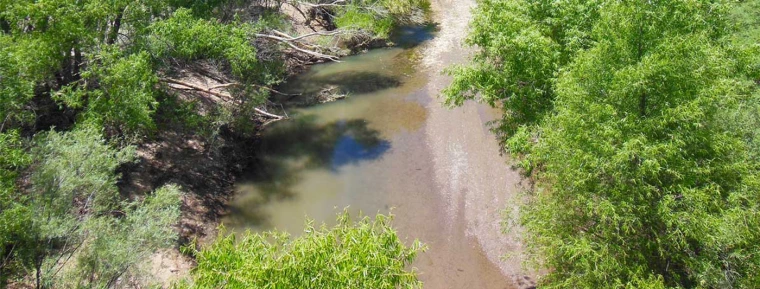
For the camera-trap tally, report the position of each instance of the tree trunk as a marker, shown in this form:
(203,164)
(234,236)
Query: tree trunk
(113,34)
(5,26)
(643,105)
(78,60)
(38,274)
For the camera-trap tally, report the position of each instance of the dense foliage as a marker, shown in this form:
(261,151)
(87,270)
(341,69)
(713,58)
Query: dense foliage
(524,44)
(381,16)
(365,254)
(14,215)
(82,82)
(71,229)
(105,57)
(636,118)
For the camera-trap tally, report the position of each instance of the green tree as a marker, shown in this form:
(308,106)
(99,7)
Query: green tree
(100,57)
(103,58)
(14,215)
(376,17)
(522,45)
(645,191)
(365,254)
(80,232)
(645,179)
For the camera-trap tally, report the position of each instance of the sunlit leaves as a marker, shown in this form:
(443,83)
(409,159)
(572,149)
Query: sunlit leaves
(186,36)
(76,214)
(522,45)
(23,63)
(644,177)
(354,17)
(76,167)
(380,17)
(125,94)
(638,176)
(365,254)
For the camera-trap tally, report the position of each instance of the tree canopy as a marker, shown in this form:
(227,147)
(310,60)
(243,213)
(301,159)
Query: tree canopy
(72,229)
(625,114)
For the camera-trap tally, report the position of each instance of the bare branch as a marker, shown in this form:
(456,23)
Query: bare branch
(200,88)
(223,85)
(318,33)
(289,42)
(317,5)
(218,94)
(272,90)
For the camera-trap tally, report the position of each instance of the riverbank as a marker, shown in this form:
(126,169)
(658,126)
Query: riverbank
(207,163)
(392,147)
(435,166)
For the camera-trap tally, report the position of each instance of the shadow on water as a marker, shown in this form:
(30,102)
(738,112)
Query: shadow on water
(320,146)
(347,82)
(289,149)
(316,161)
(412,36)
(365,73)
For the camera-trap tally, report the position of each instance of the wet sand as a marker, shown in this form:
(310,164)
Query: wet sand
(473,184)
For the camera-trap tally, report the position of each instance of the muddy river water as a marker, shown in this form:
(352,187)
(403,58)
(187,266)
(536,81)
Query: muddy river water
(391,146)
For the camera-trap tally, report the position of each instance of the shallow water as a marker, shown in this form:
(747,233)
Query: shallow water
(390,146)
(321,159)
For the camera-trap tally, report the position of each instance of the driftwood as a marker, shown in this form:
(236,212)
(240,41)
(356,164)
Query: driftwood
(224,96)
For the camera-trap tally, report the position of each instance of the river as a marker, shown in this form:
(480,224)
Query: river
(391,146)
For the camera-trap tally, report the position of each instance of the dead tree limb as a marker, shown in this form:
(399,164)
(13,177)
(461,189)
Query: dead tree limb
(223,85)
(277,117)
(199,88)
(218,94)
(318,5)
(272,90)
(289,41)
(318,33)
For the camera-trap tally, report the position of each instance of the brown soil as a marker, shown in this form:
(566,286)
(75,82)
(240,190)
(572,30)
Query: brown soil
(206,176)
